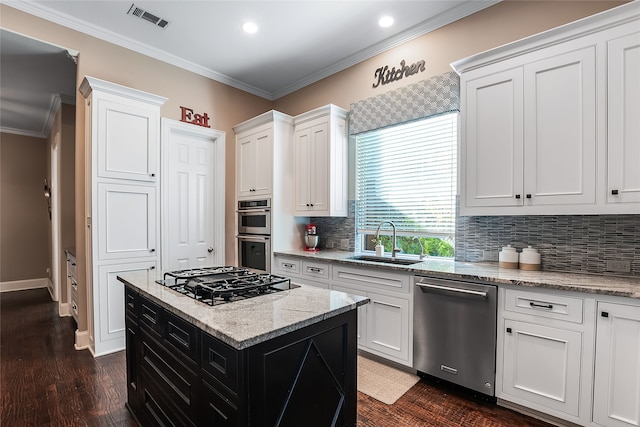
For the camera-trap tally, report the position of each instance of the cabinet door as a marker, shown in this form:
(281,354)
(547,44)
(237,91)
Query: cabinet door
(542,365)
(494,137)
(617,366)
(560,129)
(109,305)
(302,152)
(362,314)
(255,164)
(318,170)
(623,139)
(127,139)
(388,325)
(126,221)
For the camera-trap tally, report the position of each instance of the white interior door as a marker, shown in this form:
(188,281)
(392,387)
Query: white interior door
(193,183)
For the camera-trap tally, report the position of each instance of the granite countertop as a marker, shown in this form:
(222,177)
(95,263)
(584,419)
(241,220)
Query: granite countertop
(242,324)
(624,286)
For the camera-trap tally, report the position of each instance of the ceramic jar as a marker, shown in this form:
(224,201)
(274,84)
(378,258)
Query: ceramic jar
(508,257)
(530,259)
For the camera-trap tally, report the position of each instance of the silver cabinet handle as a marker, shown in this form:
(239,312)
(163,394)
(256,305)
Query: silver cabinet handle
(450,289)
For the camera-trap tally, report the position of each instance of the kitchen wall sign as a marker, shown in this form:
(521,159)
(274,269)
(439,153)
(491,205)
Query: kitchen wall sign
(385,75)
(195,119)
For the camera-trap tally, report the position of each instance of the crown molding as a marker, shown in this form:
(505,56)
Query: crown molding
(416,31)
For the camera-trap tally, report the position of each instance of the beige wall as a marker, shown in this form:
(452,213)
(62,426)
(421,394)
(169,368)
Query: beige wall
(24,221)
(497,25)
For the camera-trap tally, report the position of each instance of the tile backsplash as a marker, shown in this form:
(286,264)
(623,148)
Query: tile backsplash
(570,243)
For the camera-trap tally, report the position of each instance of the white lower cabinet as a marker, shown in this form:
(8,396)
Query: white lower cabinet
(362,314)
(303,272)
(384,324)
(108,334)
(544,357)
(616,391)
(540,365)
(387,325)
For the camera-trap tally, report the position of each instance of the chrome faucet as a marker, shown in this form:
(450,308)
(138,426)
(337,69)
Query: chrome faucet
(394,248)
(422,254)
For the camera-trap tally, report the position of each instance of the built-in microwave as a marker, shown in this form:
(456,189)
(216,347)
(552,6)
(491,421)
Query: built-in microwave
(254,217)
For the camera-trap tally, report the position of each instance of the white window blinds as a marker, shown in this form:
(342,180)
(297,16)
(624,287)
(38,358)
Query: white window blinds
(407,174)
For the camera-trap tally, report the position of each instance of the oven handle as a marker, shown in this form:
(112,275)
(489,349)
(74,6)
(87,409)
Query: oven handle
(253,210)
(450,289)
(252,237)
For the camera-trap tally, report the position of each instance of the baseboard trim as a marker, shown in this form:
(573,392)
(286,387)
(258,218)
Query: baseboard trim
(550,419)
(82,340)
(64,309)
(23,285)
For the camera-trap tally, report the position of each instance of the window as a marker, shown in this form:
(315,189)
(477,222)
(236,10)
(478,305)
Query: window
(407,174)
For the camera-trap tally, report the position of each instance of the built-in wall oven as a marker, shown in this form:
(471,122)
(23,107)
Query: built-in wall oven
(254,234)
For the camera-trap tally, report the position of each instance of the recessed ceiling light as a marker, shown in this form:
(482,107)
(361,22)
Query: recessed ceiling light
(250,27)
(385,21)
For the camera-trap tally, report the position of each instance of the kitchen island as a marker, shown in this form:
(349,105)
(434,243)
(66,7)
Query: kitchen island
(278,359)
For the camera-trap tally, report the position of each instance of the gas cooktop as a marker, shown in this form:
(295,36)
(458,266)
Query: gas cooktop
(219,285)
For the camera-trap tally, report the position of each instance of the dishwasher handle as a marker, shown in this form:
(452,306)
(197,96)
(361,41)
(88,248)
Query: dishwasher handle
(426,287)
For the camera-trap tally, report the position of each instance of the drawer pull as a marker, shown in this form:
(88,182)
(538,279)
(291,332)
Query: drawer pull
(287,265)
(315,270)
(537,305)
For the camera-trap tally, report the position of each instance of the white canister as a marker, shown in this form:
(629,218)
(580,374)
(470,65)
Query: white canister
(379,250)
(508,257)
(530,259)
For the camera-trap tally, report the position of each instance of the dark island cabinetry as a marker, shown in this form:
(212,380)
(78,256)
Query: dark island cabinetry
(179,375)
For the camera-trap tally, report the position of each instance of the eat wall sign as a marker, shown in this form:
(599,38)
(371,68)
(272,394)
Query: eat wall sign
(188,116)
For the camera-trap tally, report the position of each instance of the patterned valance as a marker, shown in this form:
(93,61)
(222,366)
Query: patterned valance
(437,95)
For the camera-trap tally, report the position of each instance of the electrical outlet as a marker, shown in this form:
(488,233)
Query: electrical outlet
(344,244)
(619,266)
(490,255)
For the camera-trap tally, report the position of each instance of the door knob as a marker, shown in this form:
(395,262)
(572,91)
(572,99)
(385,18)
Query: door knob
(210,250)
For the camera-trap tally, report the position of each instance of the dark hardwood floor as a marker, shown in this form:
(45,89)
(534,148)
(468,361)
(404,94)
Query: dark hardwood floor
(44,381)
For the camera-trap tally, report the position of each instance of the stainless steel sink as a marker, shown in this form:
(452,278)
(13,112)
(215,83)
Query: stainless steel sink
(384,260)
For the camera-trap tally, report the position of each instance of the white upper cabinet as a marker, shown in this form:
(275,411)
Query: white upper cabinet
(623,130)
(494,140)
(255,168)
(259,143)
(125,131)
(549,123)
(320,167)
(560,129)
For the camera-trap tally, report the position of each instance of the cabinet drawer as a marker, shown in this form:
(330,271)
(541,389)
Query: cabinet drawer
(372,278)
(150,315)
(222,362)
(315,270)
(544,305)
(288,265)
(131,302)
(183,335)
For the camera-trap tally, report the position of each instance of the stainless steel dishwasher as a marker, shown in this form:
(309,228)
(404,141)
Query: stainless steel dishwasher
(454,332)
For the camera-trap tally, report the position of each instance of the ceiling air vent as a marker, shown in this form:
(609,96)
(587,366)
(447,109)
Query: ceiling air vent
(147,16)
